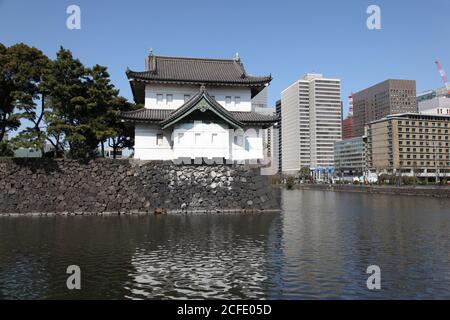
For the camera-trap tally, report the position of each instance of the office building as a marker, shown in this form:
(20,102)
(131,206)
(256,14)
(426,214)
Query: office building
(347,128)
(383,99)
(311,121)
(434,102)
(413,144)
(431,94)
(349,156)
(347,123)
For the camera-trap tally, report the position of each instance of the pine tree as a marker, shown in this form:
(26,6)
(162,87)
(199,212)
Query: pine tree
(22,69)
(67,84)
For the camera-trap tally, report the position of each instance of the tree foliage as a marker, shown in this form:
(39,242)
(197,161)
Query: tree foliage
(70,106)
(304,173)
(22,70)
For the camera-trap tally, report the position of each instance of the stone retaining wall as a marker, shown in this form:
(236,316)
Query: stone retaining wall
(47,186)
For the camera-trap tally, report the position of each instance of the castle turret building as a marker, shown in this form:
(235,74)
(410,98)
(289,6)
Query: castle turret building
(197,108)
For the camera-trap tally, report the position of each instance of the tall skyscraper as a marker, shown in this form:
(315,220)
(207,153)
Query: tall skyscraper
(347,123)
(383,99)
(311,121)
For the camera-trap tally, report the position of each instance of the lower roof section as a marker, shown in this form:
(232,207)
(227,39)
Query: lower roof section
(202,102)
(159,115)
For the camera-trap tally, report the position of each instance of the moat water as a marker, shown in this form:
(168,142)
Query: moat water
(318,247)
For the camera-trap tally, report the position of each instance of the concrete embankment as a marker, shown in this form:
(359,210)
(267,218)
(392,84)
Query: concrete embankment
(426,191)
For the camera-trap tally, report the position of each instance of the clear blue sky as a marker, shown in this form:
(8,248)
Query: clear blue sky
(284,38)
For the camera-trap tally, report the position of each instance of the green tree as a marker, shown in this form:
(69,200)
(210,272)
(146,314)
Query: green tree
(22,69)
(68,103)
(30,67)
(103,102)
(76,105)
(8,120)
(290,182)
(123,135)
(5,149)
(305,173)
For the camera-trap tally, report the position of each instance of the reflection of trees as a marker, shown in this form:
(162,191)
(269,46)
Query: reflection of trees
(188,255)
(37,251)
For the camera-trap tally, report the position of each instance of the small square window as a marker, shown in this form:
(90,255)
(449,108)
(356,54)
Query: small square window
(180,137)
(238,140)
(227,100)
(237,100)
(214,138)
(159,139)
(187,97)
(197,138)
(159,98)
(169,99)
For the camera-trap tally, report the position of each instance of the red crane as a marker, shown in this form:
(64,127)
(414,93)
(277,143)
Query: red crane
(443,76)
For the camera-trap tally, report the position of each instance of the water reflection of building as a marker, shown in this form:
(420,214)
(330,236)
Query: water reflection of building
(223,256)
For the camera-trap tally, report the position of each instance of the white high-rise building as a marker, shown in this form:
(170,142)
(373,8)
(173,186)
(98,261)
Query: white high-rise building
(311,121)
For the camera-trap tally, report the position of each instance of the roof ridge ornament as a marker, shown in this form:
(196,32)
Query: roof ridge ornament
(202,88)
(151,62)
(237,58)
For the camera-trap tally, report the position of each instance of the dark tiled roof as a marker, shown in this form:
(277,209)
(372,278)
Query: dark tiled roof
(254,117)
(197,70)
(194,71)
(158,115)
(155,115)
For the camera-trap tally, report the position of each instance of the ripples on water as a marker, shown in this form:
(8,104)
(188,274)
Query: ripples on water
(319,247)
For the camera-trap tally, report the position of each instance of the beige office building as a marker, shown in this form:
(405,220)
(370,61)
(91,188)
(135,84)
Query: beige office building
(415,144)
(311,121)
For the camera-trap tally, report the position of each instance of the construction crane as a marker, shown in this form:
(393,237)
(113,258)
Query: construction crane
(443,76)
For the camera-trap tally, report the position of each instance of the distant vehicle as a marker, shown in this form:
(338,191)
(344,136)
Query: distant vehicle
(372,178)
(369,178)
